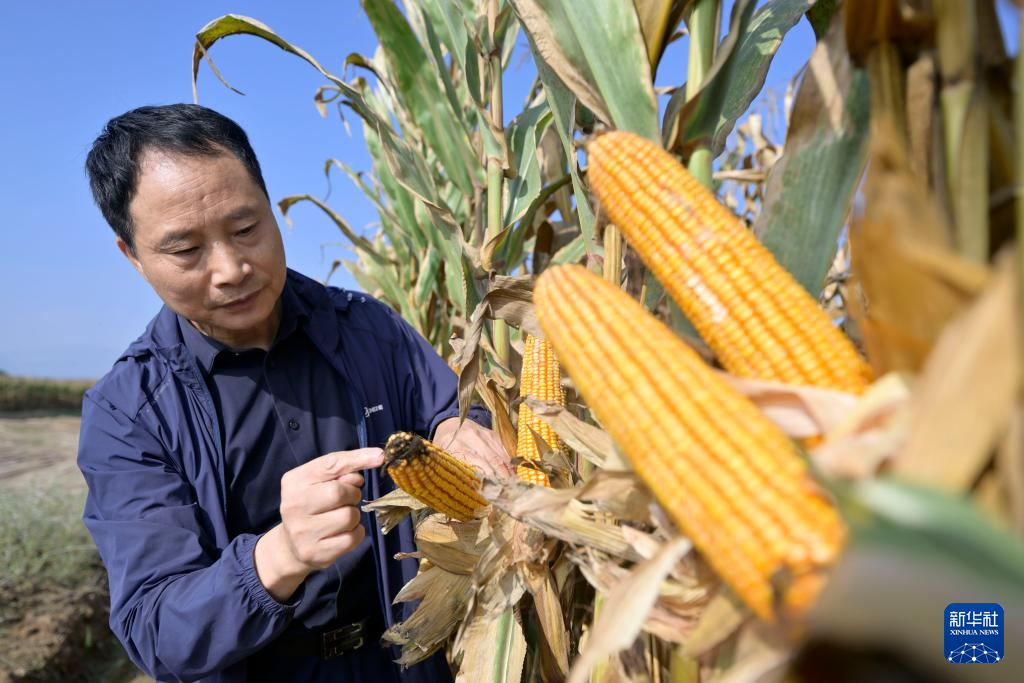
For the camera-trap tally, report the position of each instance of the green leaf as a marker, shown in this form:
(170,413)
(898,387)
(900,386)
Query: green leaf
(691,122)
(385,277)
(911,551)
(441,229)
(235,24)
(511,243)
(418,88)
(524,137)
(917,519)
(448,20)
(573,252)
(820,16)
(808,191)
(754,54)
(427,276)
(400,239)
(597,50)
(399,199)
(446,239)
(562,103)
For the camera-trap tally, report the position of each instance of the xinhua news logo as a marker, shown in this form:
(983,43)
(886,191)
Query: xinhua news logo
(974,633)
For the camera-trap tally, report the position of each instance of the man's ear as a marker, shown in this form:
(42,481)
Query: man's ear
(128,254)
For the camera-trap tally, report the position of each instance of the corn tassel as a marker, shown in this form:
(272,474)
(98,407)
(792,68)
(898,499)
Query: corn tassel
(432,476)
(753,314)
(727,476)
(540,379)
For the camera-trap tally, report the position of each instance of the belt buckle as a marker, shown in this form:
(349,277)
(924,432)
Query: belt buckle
(341,640)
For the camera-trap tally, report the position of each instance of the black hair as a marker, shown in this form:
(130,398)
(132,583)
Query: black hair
(187,129)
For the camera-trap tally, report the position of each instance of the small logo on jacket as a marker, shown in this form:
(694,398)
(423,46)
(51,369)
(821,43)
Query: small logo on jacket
(974,633)
(370,410)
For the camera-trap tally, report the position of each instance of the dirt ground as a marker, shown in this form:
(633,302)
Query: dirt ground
(49,633)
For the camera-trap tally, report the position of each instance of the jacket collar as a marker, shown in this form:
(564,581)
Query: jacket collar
(163,337)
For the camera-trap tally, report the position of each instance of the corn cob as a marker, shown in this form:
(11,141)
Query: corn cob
(433,476)
(530,472)
(753,314)
(726,475)
(540,379)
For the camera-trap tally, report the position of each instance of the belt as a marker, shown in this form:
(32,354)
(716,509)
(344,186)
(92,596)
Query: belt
(326,643)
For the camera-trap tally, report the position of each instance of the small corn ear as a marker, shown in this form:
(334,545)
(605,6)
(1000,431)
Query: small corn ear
(433,476)
(541,379)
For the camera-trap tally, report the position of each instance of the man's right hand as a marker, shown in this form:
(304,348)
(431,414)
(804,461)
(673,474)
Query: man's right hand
(319,519)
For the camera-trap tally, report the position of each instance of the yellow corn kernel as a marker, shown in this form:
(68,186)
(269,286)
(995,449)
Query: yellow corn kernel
(433,476)
(728,477)
(753,314)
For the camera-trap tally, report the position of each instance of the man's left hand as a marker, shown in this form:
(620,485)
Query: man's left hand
(475,445)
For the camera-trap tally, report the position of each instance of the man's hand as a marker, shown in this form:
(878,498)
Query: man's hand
(319,519)
(473,444)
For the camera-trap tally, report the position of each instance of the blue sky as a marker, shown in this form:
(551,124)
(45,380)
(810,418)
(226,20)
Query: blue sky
(71,302)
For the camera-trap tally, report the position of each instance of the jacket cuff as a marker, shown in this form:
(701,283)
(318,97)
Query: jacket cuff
(254,588)
(477,414)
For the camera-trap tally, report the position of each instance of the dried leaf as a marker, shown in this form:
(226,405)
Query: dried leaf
(922,115)
(723,615)
(964,399)
(801,411)
(509,299)
(482,641)
(359,242)
(453,546)
(680,603)
(1010,467)
(444,599)
(870,22)
(392,508)
(592,443)
(494,398)
(913,281)
(558,514)
(499,585)
(760,657)
(626,608)
(658,19)
(871,433)
(620,493)
(541,584)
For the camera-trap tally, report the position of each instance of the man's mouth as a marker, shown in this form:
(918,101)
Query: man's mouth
(242,302)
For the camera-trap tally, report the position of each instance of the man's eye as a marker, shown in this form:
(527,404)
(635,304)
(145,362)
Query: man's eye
(246,231)
(186,252)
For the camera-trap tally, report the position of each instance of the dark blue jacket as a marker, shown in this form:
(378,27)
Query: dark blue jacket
(185,598)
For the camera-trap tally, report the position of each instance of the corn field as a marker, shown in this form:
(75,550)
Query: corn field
(764,396)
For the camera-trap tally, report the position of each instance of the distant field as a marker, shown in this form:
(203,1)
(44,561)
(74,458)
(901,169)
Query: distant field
(30,393)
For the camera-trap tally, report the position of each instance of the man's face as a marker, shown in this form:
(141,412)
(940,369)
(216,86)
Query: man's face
(207,242)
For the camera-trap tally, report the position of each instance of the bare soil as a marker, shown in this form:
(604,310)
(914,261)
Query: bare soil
(38,445)
(50,633)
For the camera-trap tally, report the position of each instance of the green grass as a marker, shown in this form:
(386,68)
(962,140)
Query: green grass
(43,540)
(29,393)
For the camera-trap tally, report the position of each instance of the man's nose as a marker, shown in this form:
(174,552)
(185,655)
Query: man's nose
(229,266)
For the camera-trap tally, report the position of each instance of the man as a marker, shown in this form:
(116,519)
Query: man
(228,450)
